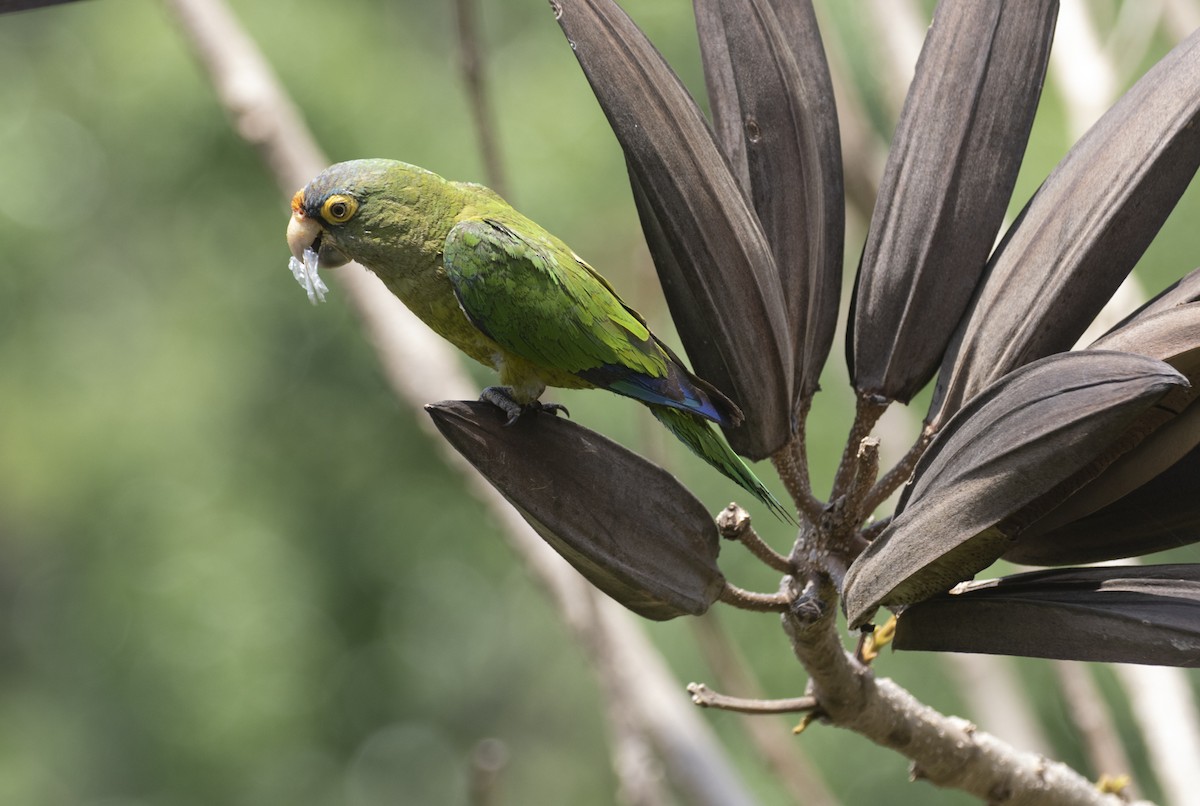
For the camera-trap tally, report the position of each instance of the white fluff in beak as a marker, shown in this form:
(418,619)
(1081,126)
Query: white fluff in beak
(306,275)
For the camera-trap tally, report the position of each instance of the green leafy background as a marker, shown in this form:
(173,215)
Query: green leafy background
(232,569)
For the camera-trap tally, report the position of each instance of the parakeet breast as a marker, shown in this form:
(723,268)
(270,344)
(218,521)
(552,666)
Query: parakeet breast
(410,262)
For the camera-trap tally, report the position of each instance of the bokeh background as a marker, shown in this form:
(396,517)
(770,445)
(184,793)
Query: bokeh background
(232,568)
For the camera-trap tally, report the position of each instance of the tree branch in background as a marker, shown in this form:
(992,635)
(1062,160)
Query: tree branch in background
(417,364)
(471,61)
(1164,707)
(1085,703)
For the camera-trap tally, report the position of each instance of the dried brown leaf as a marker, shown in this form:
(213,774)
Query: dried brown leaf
(1082,232)
(949,175)
(1163,513)
(775,119)
(716,266)
(1020,446)
(1143,614)
(627,525)
(1170,334)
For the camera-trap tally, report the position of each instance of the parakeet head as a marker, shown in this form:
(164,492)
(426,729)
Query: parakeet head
(359,210)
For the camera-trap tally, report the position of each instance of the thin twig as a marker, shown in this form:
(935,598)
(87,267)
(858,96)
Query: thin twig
(866,469)
(733,522)
(867,411)
(791,463)
(751,600)
(705,697)
(872,529)
(898,475)
(785,758)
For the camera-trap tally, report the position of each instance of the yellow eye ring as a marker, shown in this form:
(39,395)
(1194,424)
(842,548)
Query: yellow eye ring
(338,209)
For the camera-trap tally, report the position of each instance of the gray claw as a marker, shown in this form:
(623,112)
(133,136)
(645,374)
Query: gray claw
(501,397)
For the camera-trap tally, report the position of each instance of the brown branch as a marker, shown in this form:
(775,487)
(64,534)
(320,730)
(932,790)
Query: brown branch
(898,475)
(638,770)
(946,751)
(420,366)
(733,522)
(866,469)
(867,411)
(750,600)
(873,529)
(791,463)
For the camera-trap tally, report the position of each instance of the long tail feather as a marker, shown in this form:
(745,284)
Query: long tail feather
(703,439)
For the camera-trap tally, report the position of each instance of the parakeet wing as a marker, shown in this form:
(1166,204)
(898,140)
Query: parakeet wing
(534,297)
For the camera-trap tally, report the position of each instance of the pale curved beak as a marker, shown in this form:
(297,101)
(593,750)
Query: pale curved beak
(305,233)
(302,233)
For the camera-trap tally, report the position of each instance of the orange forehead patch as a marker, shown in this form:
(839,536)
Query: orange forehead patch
(298,203)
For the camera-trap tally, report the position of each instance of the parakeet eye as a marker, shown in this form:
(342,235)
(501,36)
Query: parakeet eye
(339,209)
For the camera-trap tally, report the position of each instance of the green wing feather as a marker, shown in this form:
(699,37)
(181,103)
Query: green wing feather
(704,440)
(528,292)
(532,295)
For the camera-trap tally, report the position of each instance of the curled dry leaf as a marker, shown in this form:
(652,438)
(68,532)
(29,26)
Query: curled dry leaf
(1170,334)
(1141,614)
(949,175)
(774,115)
(1163,513)
(627,525)
(1082,232)
(717,269)
(1019,447)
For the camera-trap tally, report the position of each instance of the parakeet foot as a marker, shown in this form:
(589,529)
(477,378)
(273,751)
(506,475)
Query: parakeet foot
(501,397)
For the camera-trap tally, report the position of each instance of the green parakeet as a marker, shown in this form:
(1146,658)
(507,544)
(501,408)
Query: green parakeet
(507,293)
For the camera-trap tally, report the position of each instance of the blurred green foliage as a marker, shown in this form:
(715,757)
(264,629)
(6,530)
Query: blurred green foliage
(232,569)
